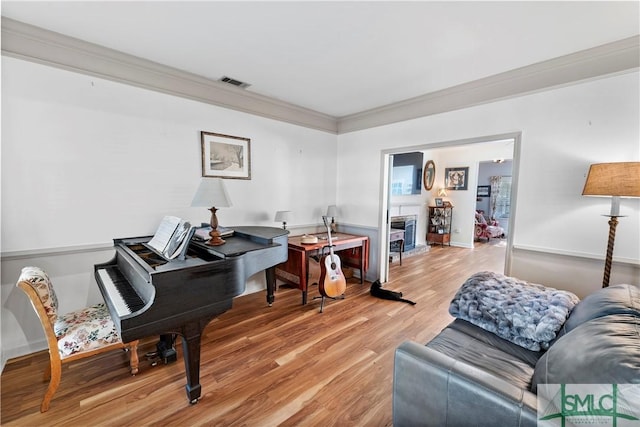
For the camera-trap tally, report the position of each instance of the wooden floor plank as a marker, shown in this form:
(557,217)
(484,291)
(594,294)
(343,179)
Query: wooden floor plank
(283,365)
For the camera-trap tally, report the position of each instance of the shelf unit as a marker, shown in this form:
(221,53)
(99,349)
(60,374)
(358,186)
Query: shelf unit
(439,225)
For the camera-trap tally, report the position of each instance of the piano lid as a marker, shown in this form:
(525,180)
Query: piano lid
(245,239)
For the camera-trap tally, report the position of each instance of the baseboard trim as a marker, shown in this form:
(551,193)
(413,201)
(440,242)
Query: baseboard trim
(23,350)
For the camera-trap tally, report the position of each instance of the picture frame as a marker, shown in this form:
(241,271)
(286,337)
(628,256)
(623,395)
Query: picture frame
(429,174)
(456,178)
(484,191)
(439,202)
(225,156)
(447,204)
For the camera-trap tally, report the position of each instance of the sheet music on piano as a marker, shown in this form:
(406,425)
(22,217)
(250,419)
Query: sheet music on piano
(172,237)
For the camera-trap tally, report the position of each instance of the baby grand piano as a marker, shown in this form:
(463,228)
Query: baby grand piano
(148,295)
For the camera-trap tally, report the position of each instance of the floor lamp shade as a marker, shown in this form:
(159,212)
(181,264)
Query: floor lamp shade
(613,180)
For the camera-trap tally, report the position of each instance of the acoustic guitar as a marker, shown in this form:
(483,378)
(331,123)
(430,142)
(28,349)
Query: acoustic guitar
(332,283)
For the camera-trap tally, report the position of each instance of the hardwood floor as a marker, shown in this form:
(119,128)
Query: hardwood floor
(284,365)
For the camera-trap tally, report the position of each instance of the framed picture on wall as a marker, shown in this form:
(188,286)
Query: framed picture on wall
(225,156)
(456,178)
(484,191)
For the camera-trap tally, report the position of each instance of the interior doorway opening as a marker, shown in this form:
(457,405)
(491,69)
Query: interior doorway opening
(493,200)
(449,155)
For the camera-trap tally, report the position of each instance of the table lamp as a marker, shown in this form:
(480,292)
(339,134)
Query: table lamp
(283,217)
(332,211)
(212,192)
(616,180)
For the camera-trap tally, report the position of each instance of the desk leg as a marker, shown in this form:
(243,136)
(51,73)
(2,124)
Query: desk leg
(401,250)
(304,278)
(362,264)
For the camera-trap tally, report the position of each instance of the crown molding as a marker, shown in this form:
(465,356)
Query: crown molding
(31,43)
(612,58)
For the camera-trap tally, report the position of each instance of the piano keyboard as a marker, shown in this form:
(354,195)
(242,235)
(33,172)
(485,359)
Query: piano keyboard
(124,297)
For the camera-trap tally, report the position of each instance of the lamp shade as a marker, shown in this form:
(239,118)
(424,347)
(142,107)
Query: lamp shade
(283,216)
(620,179)
(211,192)
(332,211)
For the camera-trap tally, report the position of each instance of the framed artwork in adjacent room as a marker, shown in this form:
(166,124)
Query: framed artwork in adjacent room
(225,156)
(439,202)
(484,191)
(456,178)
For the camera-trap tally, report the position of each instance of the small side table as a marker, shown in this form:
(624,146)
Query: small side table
(395,235)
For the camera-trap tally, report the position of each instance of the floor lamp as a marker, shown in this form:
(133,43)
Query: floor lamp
(615,180)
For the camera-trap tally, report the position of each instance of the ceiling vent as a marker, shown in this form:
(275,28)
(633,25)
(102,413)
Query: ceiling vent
(232,81)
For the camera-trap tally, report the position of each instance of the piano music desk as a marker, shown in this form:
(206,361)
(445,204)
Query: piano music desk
(353,252)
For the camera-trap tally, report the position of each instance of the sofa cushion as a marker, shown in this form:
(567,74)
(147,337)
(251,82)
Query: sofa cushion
(605,350)
(524,313)
(491,353)
(618,299)
(530,357)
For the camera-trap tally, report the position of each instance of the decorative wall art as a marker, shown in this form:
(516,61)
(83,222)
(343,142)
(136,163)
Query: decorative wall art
(484,190)
(429,174)
(225,156)
(456,178)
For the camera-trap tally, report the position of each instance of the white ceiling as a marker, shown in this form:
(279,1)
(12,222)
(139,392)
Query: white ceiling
(339,58)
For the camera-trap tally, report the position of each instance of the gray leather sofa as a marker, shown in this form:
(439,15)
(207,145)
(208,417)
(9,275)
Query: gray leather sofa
(467,376)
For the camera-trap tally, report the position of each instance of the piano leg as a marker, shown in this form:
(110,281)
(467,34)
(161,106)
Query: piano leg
(270,274)
(191,335)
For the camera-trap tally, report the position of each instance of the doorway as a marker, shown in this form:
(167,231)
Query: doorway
(447,154)
(493,198)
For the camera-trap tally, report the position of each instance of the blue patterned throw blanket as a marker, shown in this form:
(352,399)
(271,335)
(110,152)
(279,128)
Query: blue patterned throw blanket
(526,314)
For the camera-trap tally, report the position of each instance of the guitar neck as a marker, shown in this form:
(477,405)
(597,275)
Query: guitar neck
(326,223)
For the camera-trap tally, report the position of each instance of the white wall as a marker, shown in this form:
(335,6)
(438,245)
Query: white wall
(85,160)
(563,132)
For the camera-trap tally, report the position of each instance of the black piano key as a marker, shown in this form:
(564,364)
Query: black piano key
(128,292)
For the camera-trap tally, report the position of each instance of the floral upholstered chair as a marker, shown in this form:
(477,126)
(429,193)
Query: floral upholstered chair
(72,336)
(484,230)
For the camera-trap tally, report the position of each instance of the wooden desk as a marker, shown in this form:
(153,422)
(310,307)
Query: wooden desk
(352,250)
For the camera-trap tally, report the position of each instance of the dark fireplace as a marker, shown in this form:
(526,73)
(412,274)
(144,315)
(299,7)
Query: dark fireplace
(408,224)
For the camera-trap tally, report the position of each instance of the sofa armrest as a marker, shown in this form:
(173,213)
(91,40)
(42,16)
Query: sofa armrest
(433,389)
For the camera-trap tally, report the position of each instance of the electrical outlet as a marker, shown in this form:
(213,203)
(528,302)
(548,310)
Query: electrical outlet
(457,230)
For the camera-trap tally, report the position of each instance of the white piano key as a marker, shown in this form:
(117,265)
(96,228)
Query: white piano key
(118,302)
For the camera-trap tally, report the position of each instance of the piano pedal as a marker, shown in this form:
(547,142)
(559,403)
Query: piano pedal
(167,356)
(152,357)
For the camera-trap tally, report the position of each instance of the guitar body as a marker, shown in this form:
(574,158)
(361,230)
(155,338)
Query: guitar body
(332,282)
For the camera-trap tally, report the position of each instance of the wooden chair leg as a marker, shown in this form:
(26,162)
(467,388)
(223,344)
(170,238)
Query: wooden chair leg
(47,372)
(55,369)
(133,356)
